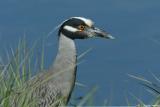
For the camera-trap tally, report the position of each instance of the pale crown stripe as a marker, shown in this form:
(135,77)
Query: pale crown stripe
(86,21)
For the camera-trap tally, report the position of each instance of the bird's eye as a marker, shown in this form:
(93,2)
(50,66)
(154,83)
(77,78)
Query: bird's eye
(81,27)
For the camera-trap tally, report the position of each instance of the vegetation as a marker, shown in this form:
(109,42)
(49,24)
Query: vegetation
(151,87)
(16,74)
(19,69)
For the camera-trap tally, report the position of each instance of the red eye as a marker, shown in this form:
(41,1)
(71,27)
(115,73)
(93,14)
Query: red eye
(81,27)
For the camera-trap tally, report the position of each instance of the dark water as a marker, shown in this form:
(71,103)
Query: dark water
(136,50)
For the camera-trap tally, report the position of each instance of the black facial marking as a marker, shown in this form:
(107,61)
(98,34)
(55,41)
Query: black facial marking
(71,22)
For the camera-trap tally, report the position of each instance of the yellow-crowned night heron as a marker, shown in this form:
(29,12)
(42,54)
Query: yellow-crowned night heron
(58,82)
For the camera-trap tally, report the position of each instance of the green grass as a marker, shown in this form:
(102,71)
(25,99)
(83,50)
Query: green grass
(153,88)
(13,77)
(17,72)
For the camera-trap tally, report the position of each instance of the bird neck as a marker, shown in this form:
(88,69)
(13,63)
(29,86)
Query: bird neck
(66,56)
(65,62)
(67,48)
(64,66)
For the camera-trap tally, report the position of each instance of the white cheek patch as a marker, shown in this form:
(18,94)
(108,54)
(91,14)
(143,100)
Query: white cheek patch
(87,21)
(70,28)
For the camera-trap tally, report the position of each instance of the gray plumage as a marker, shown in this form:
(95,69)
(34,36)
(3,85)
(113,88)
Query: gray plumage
(61,75)
(54,87)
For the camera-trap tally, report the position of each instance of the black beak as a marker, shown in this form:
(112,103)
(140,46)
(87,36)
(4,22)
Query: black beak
(101,33)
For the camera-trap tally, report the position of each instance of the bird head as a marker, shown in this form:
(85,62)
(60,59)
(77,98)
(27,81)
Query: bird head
(81,28)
